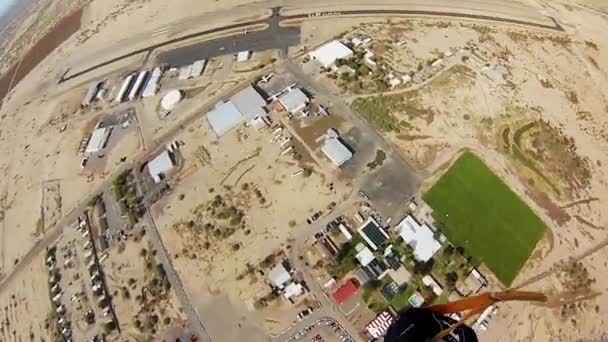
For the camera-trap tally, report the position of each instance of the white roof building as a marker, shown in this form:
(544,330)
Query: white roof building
(345,232)
(160,165)
(184,72)
(246,106)
(328,53)
(98,140)
(293,290)
(279,276)
(420,237)
(224,117)
(171,100)
(250,103)
(335,150)
(433,284)
(152,84)
(364,255)
(294,101)
(243,56)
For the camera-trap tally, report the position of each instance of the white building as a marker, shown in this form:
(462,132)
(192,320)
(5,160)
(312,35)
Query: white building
(279,276)
(420,237)
(246,106)
(98,140)
(160,166)
(364,255)
(152,84)
(243,56)
(293,290)
(294,100)
(335,150)
(433,284)
(328,53)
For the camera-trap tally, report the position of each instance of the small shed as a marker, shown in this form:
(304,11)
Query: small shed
(243,56)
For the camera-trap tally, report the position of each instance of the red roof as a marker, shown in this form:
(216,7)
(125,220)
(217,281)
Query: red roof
(347,290)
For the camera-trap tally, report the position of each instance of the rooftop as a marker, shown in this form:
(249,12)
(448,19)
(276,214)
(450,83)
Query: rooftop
(379,326)
(294,100)
(160,165)
(372,233)
(364,255)
(279,275)
(293,290)
(98,140)
(249,103)
(224,117)
(346,291)
(335,150)
(328,53)
(428,280)
(420,237)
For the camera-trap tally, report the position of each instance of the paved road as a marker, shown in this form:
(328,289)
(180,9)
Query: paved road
(276,18)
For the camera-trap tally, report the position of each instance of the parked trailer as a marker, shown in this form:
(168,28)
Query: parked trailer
(198,68)
(151,87)
(124,87)
(93,90)
(137,86)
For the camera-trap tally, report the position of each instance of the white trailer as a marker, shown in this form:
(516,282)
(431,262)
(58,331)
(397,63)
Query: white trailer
(184,72)
(151,86)
(93,90)
(198,68)
(139,82)
(124,87)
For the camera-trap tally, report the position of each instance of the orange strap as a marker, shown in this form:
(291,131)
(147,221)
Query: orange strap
(482,301)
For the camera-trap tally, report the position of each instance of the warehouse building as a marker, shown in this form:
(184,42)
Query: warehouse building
(328,53)
(246,106)
(99,139)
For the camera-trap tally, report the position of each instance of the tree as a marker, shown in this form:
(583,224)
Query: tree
(451,278)
(449,250)
(424,267)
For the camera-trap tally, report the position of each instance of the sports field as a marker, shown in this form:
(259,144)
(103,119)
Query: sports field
(476,210)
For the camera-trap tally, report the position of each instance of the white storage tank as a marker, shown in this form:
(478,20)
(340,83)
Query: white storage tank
(170,101)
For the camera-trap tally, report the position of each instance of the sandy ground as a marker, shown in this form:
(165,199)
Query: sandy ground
(463,106)
(26,307)
(130,279)
(468,109)
(246,171)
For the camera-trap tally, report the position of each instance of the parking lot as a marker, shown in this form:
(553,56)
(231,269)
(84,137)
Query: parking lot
(325,329)
(78,290)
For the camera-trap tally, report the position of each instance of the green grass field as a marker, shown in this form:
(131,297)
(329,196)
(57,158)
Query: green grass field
(476,210)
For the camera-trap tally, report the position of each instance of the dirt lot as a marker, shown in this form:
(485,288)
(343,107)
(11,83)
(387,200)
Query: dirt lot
(26,307)
(234,202)
(144,305)
(527,116)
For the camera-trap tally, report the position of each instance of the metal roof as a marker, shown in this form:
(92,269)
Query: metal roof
(279,275)
(98,140)
(294,100)
(250,103)
(364,255)
(160,165)
(372,233)
(336,151)
(327,53)
(346,291)
(420,237)
(224,117)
